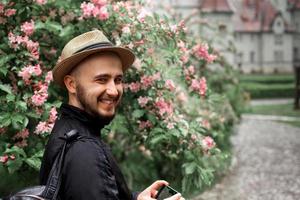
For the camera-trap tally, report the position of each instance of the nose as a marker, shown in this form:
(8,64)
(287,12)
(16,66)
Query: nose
(111,90)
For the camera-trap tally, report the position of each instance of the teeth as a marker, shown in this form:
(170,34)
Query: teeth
(107,101)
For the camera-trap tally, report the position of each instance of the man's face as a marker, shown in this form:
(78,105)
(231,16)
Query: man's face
(99,85)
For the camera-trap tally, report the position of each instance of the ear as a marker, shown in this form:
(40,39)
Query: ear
(70,83)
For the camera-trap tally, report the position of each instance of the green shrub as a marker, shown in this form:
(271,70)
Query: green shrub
(164,138)
(258,90)
(268,79)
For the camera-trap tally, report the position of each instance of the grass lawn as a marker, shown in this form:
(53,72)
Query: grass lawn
(278,109)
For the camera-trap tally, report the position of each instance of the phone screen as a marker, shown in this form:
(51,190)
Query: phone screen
(165,192)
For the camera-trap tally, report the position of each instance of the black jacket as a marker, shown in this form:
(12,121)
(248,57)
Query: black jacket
(89,170)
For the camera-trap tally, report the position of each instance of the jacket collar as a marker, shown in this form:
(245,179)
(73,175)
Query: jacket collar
(94,124)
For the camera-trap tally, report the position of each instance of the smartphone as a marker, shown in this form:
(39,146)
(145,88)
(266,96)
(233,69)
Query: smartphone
(165,192)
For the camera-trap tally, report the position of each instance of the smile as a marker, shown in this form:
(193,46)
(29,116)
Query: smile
(108,101)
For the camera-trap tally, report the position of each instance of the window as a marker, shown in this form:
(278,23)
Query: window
(252,56)
(296,56)
(278,39)
(278,56)
(239,58)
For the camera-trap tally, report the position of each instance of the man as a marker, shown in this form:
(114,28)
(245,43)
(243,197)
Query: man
(91,69)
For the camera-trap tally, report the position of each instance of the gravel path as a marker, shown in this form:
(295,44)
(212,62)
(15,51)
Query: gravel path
(266,164)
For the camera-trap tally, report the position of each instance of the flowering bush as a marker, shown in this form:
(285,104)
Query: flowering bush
(171,124)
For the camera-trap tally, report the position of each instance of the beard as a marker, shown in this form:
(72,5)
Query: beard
(83,100)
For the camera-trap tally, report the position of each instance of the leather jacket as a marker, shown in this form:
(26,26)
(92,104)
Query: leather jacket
(89,170)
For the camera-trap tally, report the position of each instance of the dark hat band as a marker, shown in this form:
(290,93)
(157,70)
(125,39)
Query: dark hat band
(95,46)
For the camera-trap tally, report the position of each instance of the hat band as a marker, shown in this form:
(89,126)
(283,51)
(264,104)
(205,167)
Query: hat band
(95,46)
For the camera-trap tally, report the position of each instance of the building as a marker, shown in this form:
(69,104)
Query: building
(265,33)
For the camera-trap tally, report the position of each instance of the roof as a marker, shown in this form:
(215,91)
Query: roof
(216,6)
(256,16)
(294,4)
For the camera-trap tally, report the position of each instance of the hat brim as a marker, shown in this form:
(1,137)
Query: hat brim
(65,66)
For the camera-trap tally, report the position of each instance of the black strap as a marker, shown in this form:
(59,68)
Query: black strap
(54,178)
(95,46)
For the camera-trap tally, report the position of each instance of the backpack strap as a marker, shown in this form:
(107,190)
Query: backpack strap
(54,177)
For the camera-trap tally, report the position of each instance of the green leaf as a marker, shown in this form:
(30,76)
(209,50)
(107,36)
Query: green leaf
(138,113)
(190,168)
(6,88)
(21,105)
(157,139)
(14,165)
(39,154)
(34,162)
(5,120)
(10,98)
(3,70)
(16,150)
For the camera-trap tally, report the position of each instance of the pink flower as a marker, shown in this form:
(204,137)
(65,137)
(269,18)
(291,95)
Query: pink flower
(194,137)
(96,11)
(28,27)
(10,12)
(28,71)
(25,73)
(185,58)
(37,70)
(49,77)
(38,99)
(126,29)
(134,87)
(40,96)
(12,157)
(142,15)
(199,86)
(195,86)
(143,101)
(170,125)
(53,115)
(182,97)
(3,159)
(170,85)
(191,70)
(206,124)
(147,81)
(44,127)
(87,9)
(1,8)
(201,50)
(203,86)
(22,134)
(173,28)
(103,15)
(41,2)
(164,107)
(145,124)
(208,143)
(137,64)
(99,3)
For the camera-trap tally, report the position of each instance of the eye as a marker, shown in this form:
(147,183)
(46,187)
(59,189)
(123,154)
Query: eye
(102,80)
(119,80)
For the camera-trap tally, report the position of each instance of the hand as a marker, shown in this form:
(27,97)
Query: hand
(150,192)
(175,197)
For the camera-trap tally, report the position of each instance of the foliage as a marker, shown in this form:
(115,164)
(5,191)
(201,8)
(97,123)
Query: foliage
(172,124)
(268,79)
(279,90)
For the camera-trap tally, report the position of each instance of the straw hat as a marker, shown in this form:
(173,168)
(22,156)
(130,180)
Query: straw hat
(84,45)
